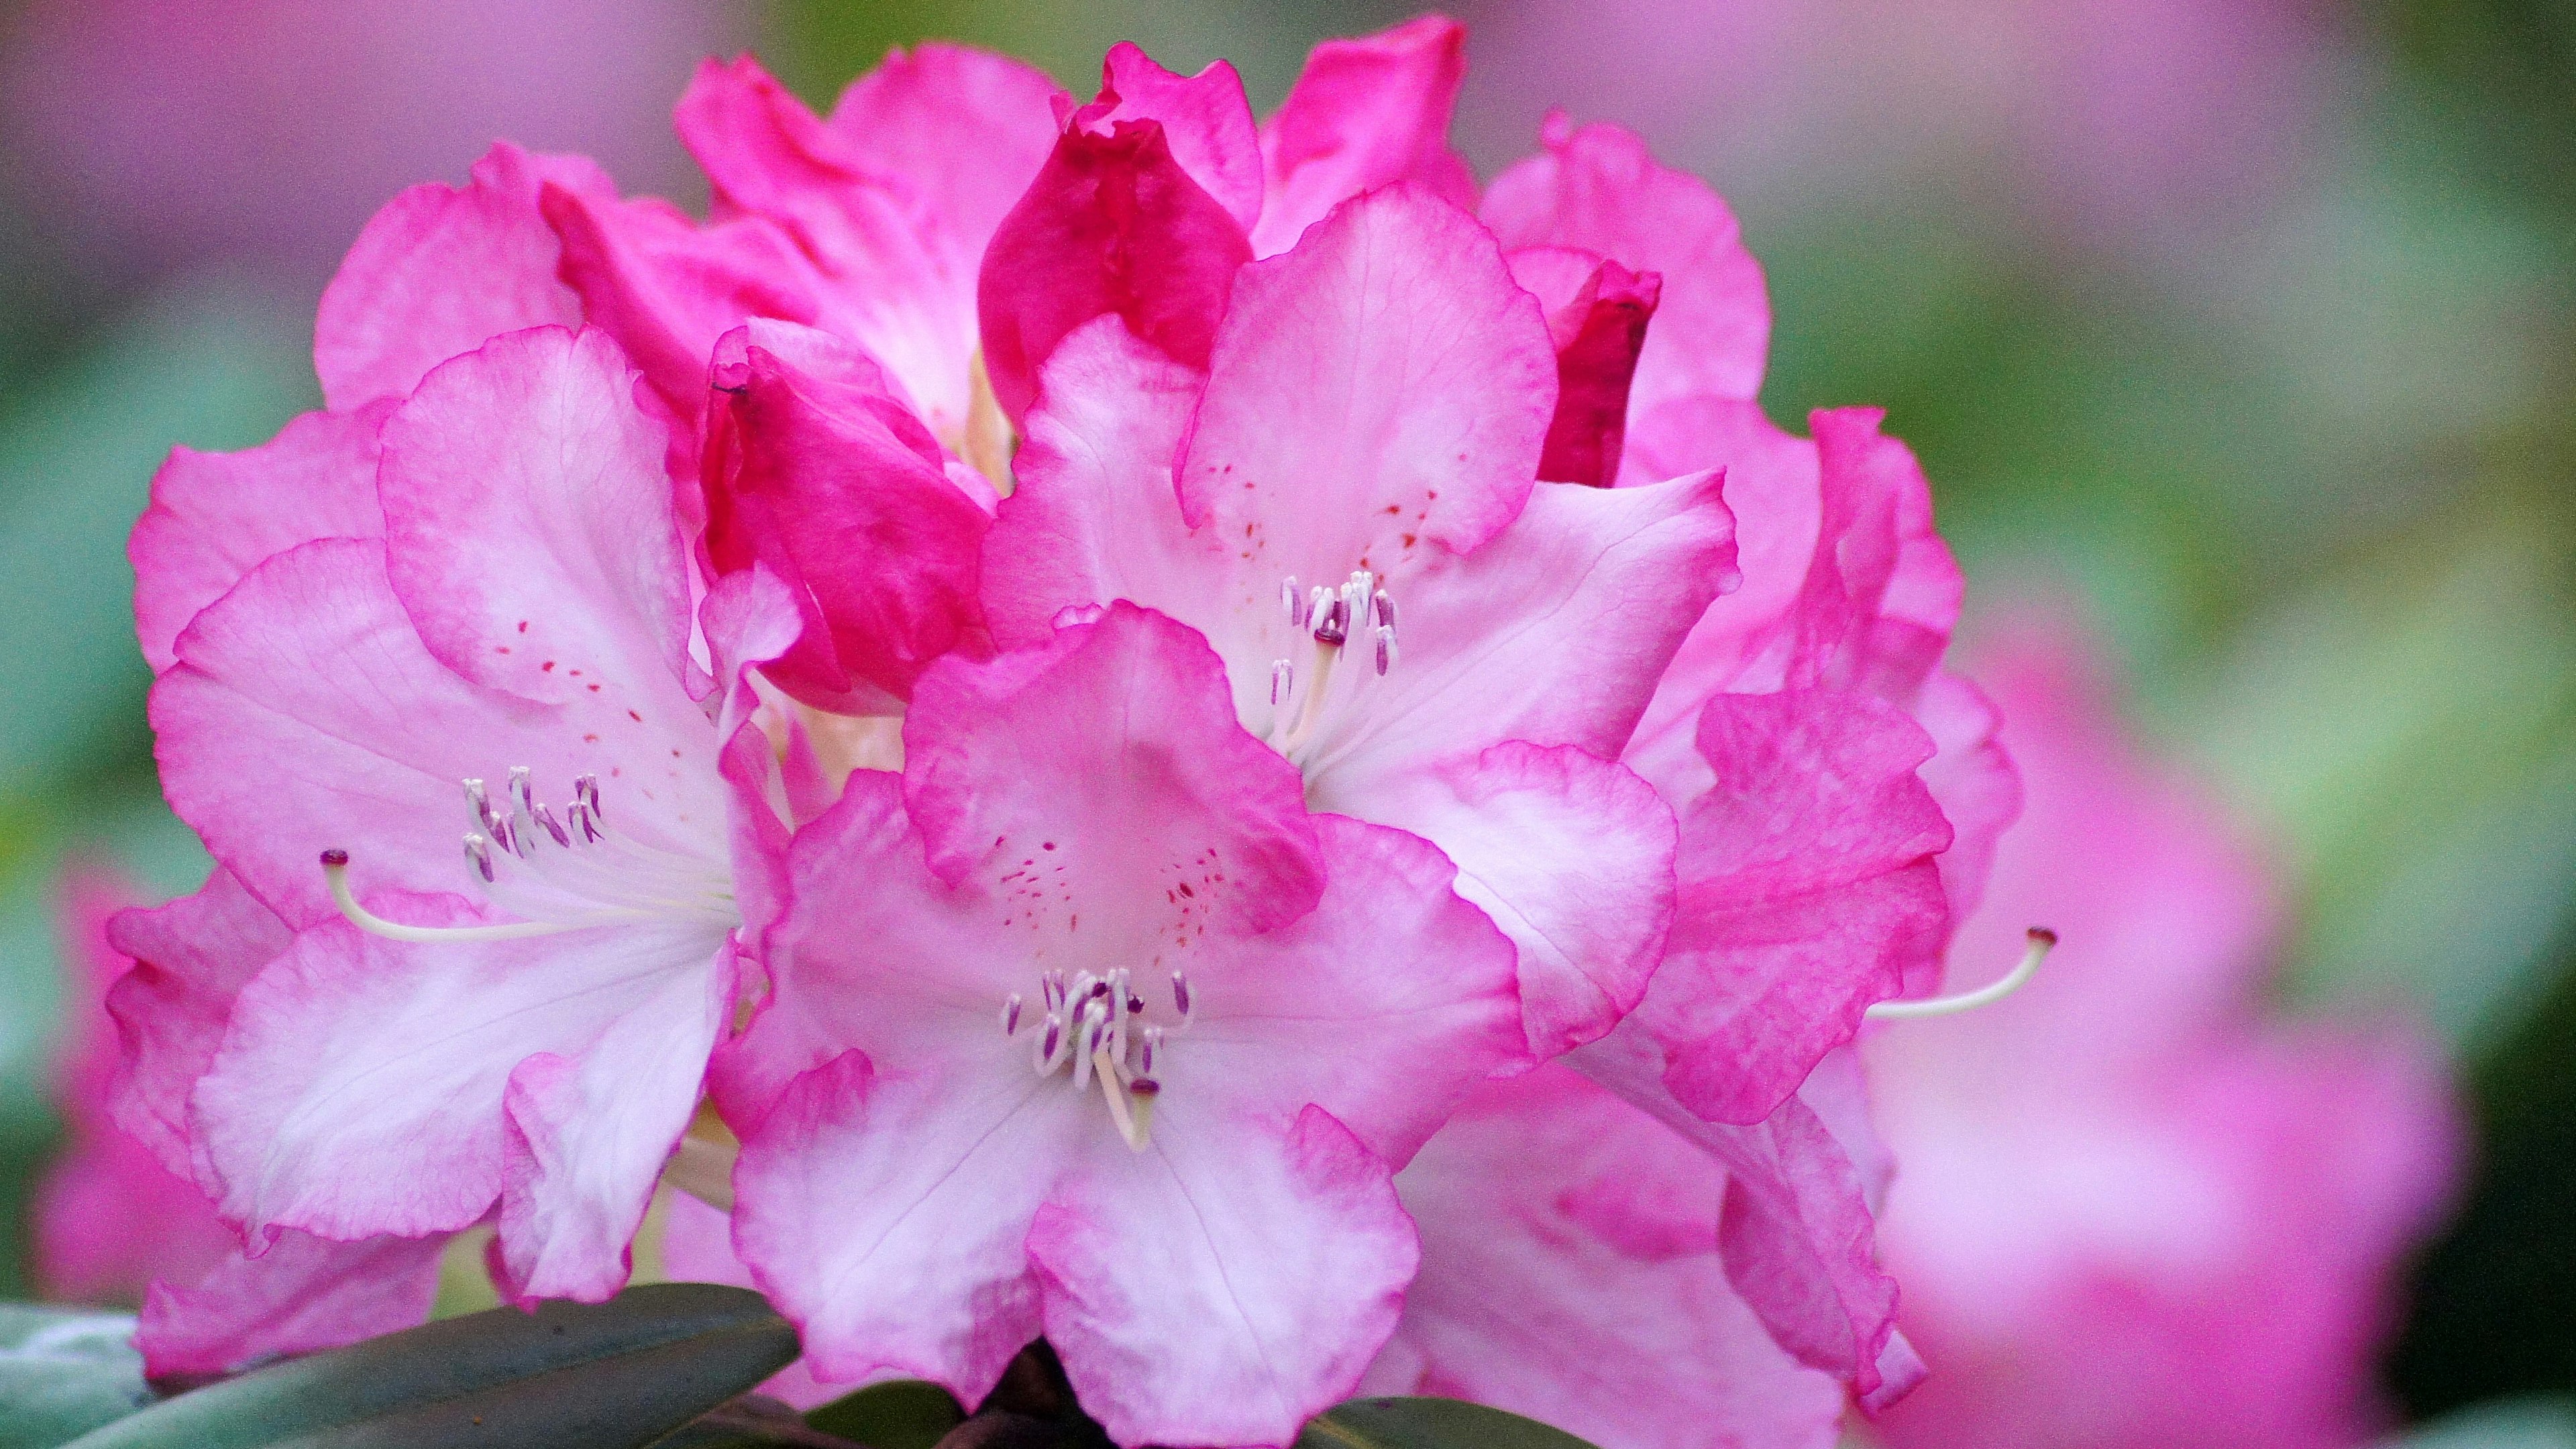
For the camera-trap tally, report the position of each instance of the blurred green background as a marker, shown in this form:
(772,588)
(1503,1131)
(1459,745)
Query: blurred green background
(2240,327)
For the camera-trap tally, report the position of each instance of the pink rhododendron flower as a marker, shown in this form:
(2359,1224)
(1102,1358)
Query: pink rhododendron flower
(109,1218)
(2127,1213)
(419,1056)
(1100,1034)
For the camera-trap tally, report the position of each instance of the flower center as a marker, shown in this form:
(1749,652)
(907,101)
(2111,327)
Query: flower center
(558,870)
(1098,1027)
(1306,702)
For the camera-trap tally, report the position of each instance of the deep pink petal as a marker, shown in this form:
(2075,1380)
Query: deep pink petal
(215,516)
(191,958)
(1044,762)
(1571,856)
(1380,389)
(1972,778)
(1808,891)
(1570,1273)
(302,1295)
(667,287)
(442,268)
(1227,1287)
(1113,225)
(1877,608)
(529,530)
(360,1087)
(588,1137)
(107,1215)
(891,203)
(1598,327)
(1364,113)
(1597,189)
(815,471)
(1205,119)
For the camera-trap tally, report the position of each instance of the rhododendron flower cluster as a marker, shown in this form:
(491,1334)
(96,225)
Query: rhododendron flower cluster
(1031,708)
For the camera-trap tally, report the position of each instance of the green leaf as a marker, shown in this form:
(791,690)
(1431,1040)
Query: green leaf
(904,1414)
(614,1375)
(64,1372)
(1428,1424)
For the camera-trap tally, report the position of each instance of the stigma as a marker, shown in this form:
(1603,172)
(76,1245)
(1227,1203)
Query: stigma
(2041,939)
(1097,1028)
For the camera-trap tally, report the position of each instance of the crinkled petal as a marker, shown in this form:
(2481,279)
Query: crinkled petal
(588,1136)
(528,525)
(1113,225)
(215,516)
(441,269)
(1808,891)
(1597,188)
(1571,856)
(1226,1287)
(966,130)
(1554,633)
(815,471)
(191,958)
(1364,113)
(302,1295)
(1972,778)
(1042,763)
(360,1088)
(1380,389)
(1570,1273)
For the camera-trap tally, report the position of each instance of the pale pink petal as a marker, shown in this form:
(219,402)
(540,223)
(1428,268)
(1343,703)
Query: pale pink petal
(1042,762)
(1204,117)
(302,1295)
(1380,389)
(1113,225)
(214,516)
(1596,188)
(1795,1232)
(1555,632)
(1570,1274)
(442,268)
(1364,113)
(528,525)
(886,1215)
(1571,856)
(1808,891)
(891,267)
(191,958)
(966,130)
(816,472)
(360,1088)
(588,1137)
(697,1247)
(1226,1287)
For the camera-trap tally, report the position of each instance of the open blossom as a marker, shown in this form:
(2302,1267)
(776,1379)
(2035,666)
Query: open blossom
(1247,631)
(486,637)
(2127,1211)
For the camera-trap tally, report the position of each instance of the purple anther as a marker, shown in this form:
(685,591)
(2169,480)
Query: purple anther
(521,790)
(545,816)
(1181,995)
(1283,680)
(1385,649)
(1385,608)
(1054,1041)
(1291,603)
(478,854)
(587,787)
(1011,1014)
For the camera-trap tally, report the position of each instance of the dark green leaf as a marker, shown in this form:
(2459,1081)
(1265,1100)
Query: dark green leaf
(755,1422)
(904,1414)
(1428,1424)
(614,1375)
(64,1372)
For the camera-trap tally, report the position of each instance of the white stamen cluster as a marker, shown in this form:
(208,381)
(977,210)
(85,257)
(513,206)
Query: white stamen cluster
(1097,1026)
(1356,615)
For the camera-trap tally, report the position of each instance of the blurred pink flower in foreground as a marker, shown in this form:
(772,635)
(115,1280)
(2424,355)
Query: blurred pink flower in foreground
(109,1217)
(2127,1212)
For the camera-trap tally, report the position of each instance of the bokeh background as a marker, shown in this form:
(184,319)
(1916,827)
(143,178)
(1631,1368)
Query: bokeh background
(2238,328)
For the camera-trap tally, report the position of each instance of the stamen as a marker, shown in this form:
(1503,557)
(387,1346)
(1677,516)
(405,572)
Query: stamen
(1335,625)
(521,791)
(1010,1013)
(478,854)
(1181,996)
(1149,1044)
(1283,681)
(586,789)
(481,801)
(1385,608)
(1131,1126)
(1289,602)
(2041,939)
(1050,1044)
(546,817)
(335,869)
(1385,646)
